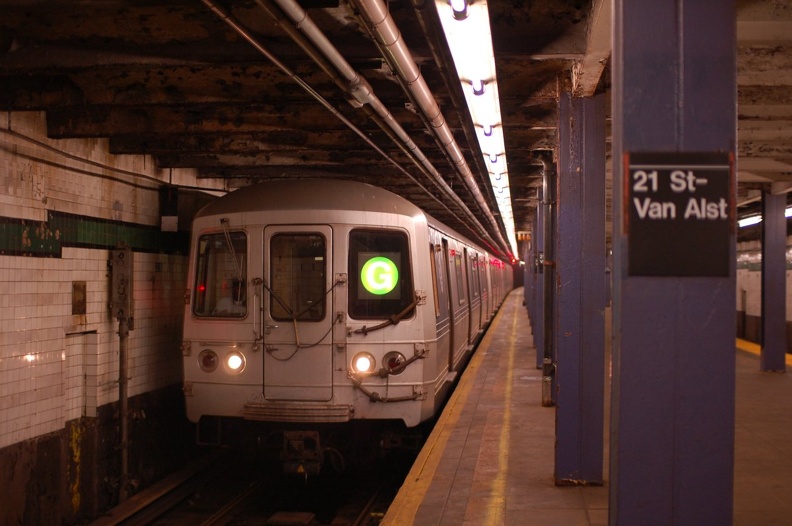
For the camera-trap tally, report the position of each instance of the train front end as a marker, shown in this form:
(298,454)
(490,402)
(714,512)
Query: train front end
(301,316)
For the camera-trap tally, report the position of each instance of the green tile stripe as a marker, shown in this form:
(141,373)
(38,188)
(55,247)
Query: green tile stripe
(21,237)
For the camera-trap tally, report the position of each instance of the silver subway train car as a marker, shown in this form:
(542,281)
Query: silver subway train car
(315,302)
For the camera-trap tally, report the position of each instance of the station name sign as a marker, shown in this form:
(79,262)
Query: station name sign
(678,213)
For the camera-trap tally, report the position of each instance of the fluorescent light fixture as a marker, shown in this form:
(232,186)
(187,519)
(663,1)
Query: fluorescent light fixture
(755,219)
(467,29)
(750,220)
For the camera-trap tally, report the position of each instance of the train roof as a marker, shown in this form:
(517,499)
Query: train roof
(320,194)
(311,194)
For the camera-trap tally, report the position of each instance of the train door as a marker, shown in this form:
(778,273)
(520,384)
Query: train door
(486,297)
(448,269)
(472,294)
(297,317)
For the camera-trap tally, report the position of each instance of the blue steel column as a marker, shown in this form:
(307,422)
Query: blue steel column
(580,291)
(773,282)
(538,322)
(672,407)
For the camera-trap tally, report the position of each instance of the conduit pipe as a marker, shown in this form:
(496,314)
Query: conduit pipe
(240,29)
(549,204)
(301,29)
(363,93)
(244,33)
(379,22)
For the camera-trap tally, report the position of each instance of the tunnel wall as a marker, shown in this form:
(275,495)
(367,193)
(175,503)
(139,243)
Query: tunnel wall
(64,204)
(749,292)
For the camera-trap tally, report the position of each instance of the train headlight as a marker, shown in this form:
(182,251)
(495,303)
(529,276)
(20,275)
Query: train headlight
(363,363)
(208,360)
(235,362)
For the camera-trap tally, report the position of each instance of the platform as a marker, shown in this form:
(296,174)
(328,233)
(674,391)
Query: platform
(489,460)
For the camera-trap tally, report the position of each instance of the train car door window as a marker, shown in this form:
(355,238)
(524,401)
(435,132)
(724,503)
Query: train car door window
(298,267)
(220,281)
(474,276)
(379,274)
(432,259)
(459,277)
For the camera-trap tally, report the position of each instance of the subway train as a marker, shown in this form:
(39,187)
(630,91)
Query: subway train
(314,303)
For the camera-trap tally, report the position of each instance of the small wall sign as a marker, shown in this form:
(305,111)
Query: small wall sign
(678,213)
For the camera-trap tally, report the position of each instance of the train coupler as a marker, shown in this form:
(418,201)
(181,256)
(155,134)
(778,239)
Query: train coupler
(302,453)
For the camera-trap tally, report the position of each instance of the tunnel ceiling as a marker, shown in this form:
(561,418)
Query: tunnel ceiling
(226,90)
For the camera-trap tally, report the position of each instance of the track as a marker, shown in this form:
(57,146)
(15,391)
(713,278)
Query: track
(234,488)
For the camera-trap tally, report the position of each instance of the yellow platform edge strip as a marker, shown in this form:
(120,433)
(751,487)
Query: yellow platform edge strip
(755,348)
(405,505)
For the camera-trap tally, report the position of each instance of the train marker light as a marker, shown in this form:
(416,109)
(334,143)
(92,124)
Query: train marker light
(363,363)
(207,360)
(379,275)
(393,361)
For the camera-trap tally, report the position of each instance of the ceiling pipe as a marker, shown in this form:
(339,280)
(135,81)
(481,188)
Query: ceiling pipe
(364,95)
(375,15)
(300,28)
(244,33)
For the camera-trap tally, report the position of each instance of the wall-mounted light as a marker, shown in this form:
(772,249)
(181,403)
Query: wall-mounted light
(460,9)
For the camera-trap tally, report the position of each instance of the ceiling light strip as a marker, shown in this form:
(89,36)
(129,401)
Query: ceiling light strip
(467,29)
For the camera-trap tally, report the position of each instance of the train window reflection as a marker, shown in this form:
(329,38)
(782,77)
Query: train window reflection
(379,273)
(298,269)
(220,283)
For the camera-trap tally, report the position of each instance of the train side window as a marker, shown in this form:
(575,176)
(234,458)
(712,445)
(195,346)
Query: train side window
(380,277)
(297,276)
(220,281)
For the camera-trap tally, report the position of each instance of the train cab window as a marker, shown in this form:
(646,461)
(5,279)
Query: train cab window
(298,266)
(380,277)
(220,282)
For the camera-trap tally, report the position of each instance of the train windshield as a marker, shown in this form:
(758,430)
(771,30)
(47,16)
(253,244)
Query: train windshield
(220,289)
(298,267)
(380,278)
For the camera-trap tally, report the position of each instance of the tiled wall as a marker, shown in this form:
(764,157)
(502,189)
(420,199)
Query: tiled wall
(63,205)
(749,278)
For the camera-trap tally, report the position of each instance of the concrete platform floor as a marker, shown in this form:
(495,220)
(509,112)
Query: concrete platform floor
(490,459)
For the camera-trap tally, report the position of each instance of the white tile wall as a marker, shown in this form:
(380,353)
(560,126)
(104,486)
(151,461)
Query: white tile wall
(55,366)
